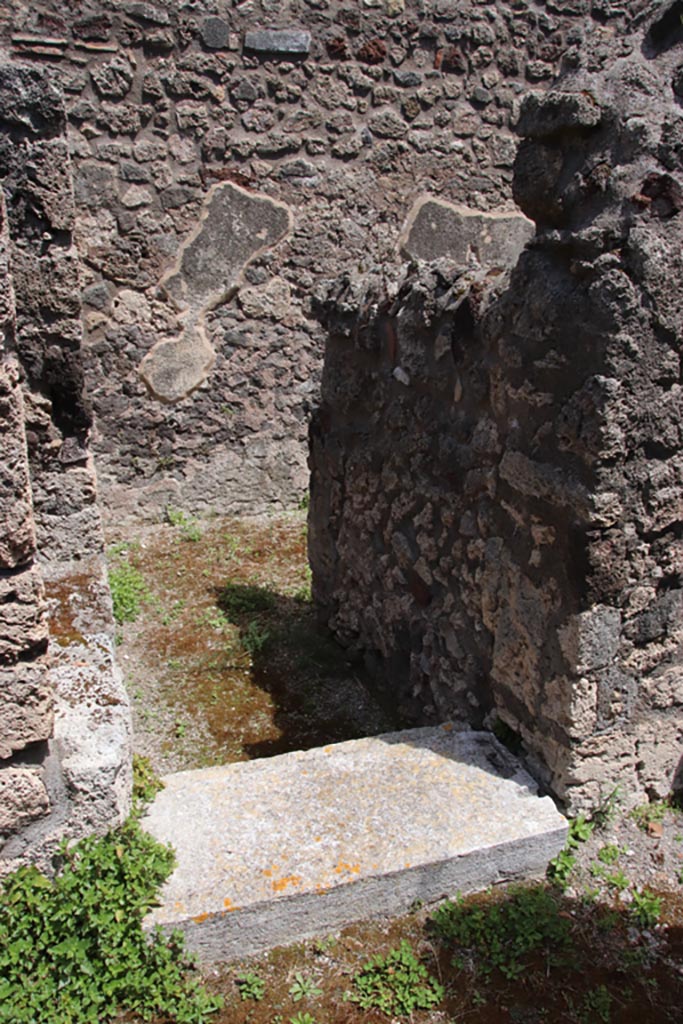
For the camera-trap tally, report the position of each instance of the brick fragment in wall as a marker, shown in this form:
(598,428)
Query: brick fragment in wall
(23,627)
(26,706)
(23,799)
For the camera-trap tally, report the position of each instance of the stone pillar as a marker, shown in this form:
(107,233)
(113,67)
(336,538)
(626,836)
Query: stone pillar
(64,712)
(26,697)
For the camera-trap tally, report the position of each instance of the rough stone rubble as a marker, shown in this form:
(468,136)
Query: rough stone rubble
(64,723)
(496,514)
(348,114)
(497,507)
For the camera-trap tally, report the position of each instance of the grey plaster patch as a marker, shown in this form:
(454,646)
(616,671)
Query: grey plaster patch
(436,229)
(173,369)
(287,847)
(234,227)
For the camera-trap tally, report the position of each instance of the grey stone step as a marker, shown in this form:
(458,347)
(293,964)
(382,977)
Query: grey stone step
(289,847)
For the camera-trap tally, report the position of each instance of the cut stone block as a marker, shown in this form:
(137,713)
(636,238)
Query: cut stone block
(26,705)
(439,230)
(23,799)
(278,41)
(288,847)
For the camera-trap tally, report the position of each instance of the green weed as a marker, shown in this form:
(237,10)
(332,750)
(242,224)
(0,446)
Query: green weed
(505,932)
(128,592)
(645,908)
(647,814)
(240,599)
(146,783)
(597,1005)
(254,638)
(561,867)
(617,880)
(251,987)
(609,854)
(302,1018)
(608,808)
(395,984)
(188,525)
(72,950)
(303,988)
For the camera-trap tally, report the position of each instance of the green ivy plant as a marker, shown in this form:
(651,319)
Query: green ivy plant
(72,948)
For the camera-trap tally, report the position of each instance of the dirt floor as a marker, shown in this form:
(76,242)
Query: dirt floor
(224,662)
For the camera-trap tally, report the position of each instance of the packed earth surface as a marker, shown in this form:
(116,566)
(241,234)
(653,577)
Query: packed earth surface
(224,662)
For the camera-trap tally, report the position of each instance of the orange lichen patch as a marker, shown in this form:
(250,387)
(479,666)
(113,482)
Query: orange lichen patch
(269,872)
(343,866)
(322,888)
(280,884)
(447,727)
(200,918)
(229,905)
(317,839)
(179,906)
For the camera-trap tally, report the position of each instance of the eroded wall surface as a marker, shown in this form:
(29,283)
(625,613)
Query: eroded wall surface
(64,718)
(497,469)
(275,142)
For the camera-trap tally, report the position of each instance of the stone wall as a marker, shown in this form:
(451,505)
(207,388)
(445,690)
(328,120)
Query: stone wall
(64,723)
(26,695)
(277,142)
(497,477)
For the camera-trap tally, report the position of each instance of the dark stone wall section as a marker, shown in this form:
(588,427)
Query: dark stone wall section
(497,490)
(345,113)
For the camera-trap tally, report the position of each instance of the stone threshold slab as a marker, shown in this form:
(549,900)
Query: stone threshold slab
(289,847)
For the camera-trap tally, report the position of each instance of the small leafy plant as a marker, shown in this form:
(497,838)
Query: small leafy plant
(597,1004)
(146,783)
(302,1018)
(609,854)
(303,988)
(188,525)
(648,814)
(396,984)
(646,908)
(251,986)
(561,867)
(254,637)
